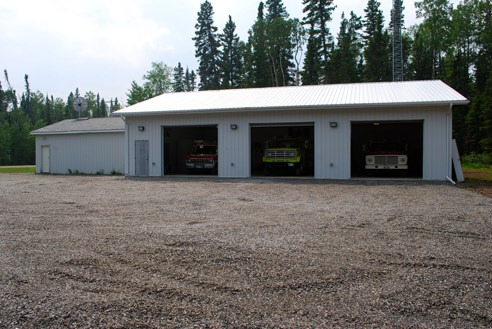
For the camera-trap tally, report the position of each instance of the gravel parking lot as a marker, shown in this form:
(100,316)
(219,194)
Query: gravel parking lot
(93,251)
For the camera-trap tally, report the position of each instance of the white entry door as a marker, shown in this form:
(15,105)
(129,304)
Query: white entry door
(45,159)
(142,158)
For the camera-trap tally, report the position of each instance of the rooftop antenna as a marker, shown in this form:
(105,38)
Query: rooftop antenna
(396,20)
(80,105)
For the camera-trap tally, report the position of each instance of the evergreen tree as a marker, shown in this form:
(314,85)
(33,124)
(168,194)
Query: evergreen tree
(96,112)
(179,79)
(192,80)
(421,64)
(103,109)
(136,94)
(207,48)
(115,106)
(187,81)
(5,140)
(26,104)
(279,31)
(231,61)
(347,54)
(436,15)
(376,52)
(320,41)
(483,71)
(48,109)
(257,44)
(276,9)
(248,69)
(69,111)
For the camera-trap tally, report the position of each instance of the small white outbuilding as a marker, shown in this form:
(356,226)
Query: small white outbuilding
(336,121)
(88,145)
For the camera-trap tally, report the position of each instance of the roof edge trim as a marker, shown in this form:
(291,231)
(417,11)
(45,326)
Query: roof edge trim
(293,108)
(75,132)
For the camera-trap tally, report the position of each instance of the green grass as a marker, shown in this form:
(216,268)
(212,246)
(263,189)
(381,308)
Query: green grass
(18,170)
(478,177)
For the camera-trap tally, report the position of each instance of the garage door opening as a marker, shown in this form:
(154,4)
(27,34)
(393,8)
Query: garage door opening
(282,150)
(190,150)
(387,149)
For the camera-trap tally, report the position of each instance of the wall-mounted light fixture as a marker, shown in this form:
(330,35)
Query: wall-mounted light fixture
(234,126)
(141,128)
(333,124)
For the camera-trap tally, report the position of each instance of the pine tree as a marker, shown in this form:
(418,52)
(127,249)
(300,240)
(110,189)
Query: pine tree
(48,109)
(320,41)
(192,81)
(376,52)
(347,54)
(207,48)
(231,61)
(436,15)
(279,30)
(421,65)
(258,63)
(179,79)
(276,9)
(136,94)
(103,109)
(27,98)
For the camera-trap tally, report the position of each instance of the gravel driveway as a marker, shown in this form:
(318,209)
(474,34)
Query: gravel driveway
(93,251)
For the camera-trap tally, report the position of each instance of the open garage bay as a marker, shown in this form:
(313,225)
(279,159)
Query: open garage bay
(387,140)
(92,251)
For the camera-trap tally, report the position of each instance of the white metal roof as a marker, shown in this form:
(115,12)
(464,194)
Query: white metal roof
(355,95)
(82,126)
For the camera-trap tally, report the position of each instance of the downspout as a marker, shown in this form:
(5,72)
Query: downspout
(448,143)
(127,146)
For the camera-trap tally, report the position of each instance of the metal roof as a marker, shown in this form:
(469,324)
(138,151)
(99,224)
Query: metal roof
(83,126)
(355,95)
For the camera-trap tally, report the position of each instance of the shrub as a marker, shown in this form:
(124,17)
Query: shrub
(474,160)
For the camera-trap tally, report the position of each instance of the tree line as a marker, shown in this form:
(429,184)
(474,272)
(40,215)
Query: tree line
(450,44)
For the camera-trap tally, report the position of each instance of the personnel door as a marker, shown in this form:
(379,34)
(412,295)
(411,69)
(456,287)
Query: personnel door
(142,158)
(45,159)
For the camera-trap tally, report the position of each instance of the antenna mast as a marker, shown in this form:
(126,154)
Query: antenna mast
(397,41)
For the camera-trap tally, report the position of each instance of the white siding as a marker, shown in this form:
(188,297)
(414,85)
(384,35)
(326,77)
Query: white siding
(87,153)
(332,145)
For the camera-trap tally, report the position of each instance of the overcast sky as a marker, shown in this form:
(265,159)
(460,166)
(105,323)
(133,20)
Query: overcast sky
(103,45)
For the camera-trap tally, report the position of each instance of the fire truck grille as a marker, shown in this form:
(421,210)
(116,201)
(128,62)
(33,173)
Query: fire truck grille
(382,160)
(200,160)
(281,154)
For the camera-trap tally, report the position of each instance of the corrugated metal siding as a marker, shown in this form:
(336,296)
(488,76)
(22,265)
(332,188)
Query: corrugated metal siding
(332,145)
(87,153)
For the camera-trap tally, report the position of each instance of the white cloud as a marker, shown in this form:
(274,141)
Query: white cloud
(110,30)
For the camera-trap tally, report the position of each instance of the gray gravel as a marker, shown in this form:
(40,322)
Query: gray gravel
(91,251)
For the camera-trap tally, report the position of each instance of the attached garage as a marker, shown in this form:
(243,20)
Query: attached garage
(335,129)
(88,146)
